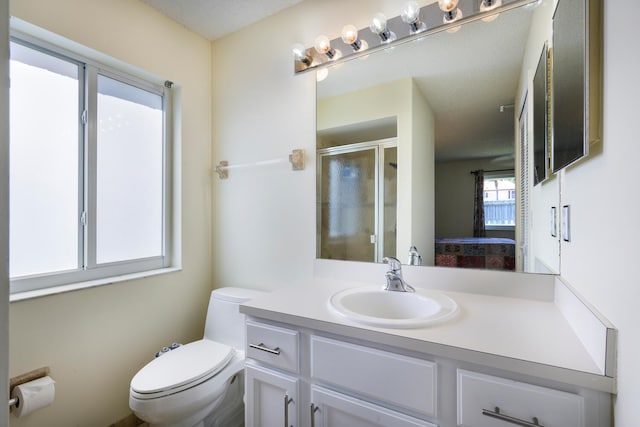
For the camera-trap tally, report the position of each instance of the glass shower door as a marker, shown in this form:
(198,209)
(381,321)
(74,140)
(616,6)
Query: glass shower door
(348,200)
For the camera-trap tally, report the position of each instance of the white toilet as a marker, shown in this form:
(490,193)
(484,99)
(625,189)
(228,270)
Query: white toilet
(200,383)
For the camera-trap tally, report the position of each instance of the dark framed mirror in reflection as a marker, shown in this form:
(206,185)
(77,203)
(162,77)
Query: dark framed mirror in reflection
(453,102)
(540,120)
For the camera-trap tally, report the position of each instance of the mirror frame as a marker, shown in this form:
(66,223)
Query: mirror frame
(576,114)
(541,118)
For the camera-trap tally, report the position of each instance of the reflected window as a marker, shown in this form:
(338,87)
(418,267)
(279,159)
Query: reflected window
(499,201)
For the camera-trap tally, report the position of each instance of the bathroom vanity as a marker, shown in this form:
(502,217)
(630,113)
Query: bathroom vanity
(500,361)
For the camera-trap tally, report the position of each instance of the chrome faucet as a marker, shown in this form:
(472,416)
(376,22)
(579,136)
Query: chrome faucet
(395,282)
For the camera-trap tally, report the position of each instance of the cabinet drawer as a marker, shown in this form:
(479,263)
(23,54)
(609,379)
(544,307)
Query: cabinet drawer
(273,345)
(402,381)
(479,395)
(335,409)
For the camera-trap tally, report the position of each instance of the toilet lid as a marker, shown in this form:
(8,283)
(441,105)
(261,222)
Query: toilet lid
(189,363)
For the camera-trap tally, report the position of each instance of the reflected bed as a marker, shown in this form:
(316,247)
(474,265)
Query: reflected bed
(476,252)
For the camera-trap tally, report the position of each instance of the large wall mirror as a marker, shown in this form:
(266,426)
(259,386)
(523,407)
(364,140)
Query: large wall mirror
(404,133)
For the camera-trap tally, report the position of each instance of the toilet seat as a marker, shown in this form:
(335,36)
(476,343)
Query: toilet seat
(180,369)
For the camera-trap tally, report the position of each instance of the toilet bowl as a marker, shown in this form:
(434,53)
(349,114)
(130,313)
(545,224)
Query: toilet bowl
(200,383)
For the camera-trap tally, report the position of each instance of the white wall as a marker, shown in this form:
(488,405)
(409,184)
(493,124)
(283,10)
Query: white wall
(601,261)
(95,340)
(267,219)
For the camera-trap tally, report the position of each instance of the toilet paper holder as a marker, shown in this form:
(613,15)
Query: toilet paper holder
(25,378)
(14,402)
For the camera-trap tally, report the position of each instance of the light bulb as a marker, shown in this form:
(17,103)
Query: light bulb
(410,12)
(447,5)
(350,37)
(379,27)
(488,5)
(300,54)
(349,34)
(378,23)
(322,74)
(322,44)
(411,15)
(455,16)
(451,13)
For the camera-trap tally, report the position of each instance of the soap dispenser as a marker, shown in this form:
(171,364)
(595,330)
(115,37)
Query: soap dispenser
(414,256)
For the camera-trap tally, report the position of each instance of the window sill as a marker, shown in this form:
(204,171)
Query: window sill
(500,227)
(55,290)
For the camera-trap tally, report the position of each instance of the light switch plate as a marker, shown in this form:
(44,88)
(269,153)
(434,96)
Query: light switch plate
(566,224)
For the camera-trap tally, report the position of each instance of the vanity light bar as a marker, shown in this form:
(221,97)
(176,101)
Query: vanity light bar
(431,19)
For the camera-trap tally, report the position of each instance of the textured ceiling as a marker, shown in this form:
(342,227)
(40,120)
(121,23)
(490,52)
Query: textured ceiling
(213,19)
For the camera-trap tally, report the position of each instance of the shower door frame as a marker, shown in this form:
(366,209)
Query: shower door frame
(378,147)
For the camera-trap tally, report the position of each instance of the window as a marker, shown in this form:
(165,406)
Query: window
(88,170)
(499,201)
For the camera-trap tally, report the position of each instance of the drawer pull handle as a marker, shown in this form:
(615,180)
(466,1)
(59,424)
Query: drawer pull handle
(287,401)
(262,347)
(313,411)
(517,421)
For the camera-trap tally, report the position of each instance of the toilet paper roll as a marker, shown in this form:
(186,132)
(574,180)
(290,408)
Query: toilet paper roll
(33,395)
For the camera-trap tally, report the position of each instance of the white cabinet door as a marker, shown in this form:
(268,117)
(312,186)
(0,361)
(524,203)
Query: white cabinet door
(331,409)
(271,398)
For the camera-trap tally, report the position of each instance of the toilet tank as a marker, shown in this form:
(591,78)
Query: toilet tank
(225,323)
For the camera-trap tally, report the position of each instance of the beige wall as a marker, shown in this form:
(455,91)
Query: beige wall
(95,340)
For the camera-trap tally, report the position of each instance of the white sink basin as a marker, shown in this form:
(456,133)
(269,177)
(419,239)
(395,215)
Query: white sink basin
(371,305)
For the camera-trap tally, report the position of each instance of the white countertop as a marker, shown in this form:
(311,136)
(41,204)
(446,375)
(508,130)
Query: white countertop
(516,334)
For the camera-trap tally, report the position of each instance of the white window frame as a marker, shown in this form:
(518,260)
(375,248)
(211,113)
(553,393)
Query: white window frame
(89,272)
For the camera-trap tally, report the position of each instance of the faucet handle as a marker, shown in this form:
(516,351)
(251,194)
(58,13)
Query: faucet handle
(394,264)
